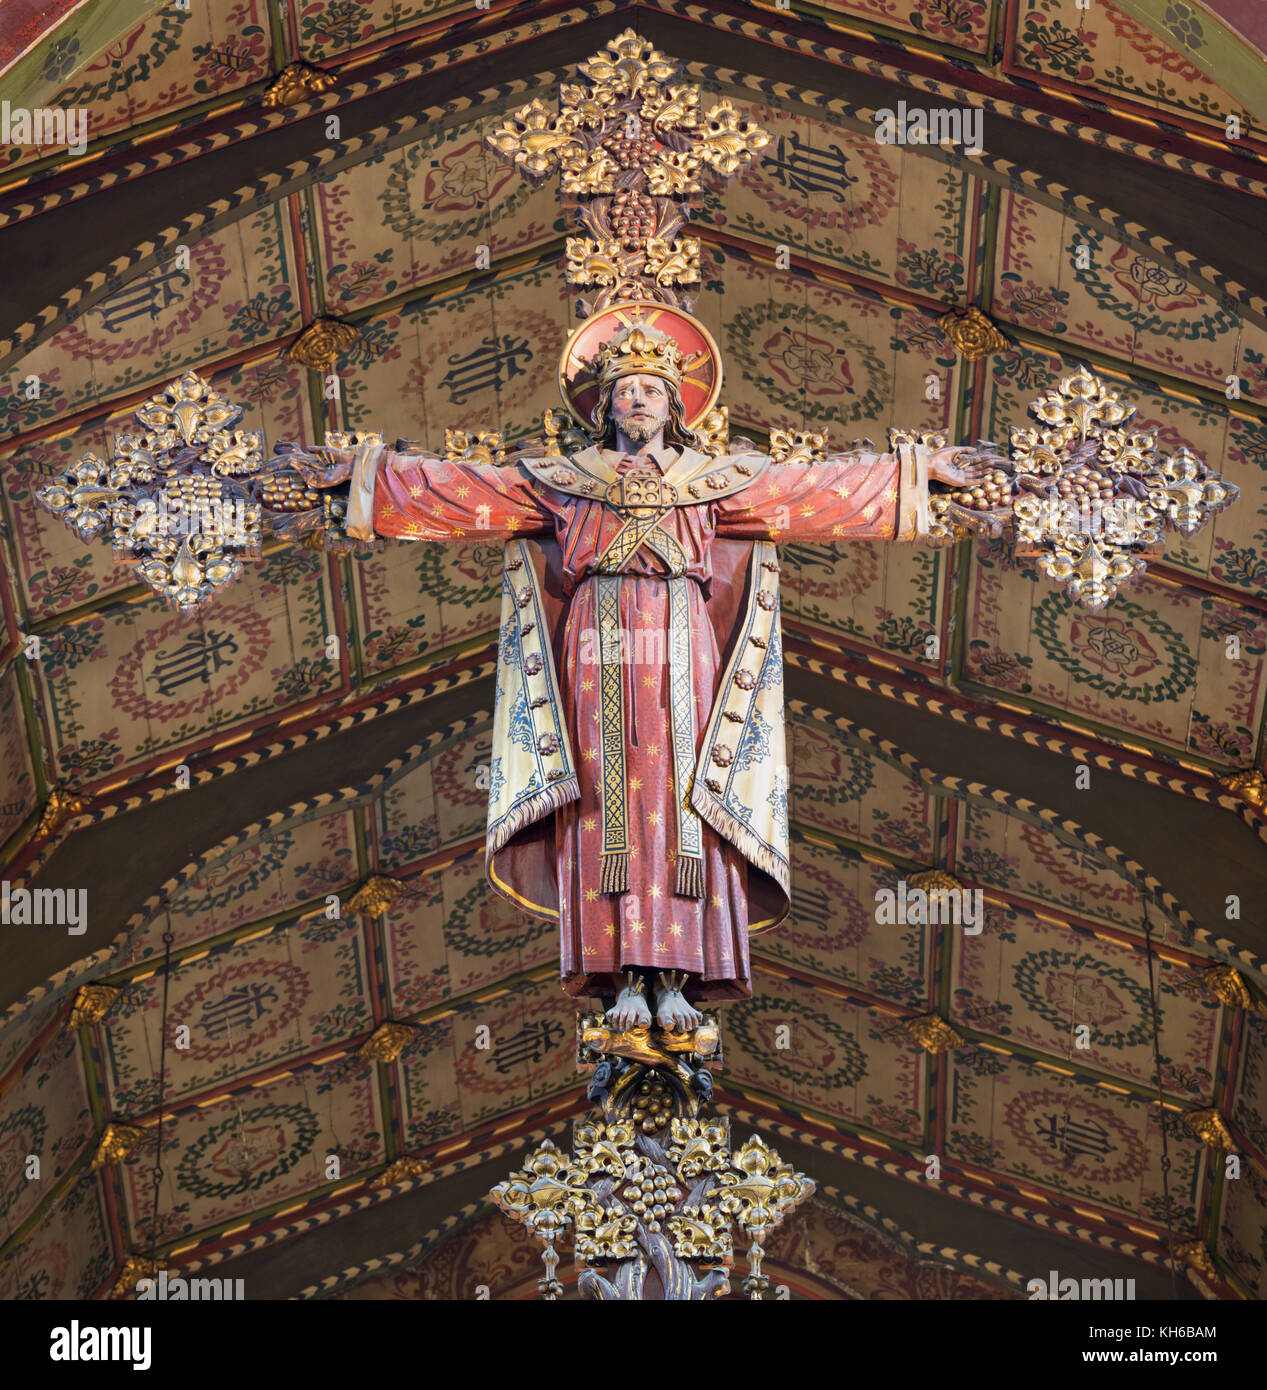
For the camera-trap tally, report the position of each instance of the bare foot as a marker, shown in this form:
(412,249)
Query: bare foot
(673,1013)
(629,1011)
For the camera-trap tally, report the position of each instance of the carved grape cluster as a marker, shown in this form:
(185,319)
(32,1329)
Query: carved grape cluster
(632,151)
(652,1106)
(994,492)
(286,493)
(652,1195)
(1086,483)
(634,218)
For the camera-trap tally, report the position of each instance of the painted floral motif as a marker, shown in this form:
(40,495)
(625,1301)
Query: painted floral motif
(823,1052)
(818,355)
(985,1016)
(1138,275)
(1083,870)
(174,59)
(1105,47)
(1026,301)
(480,925)
(902,633)
(129,61)
(952,21)
(1114,651)
(1050,43)
(466,179)
(807,362)
(1181,21)
(1065,986)
(926,269)
(22,1131)
(1113,645)
(1004,670)
(827,773)
(232,60)
(248,1151)
(965,23)
(1228,743)
(988,865)
(238,874)
(1146,295)
(61,58)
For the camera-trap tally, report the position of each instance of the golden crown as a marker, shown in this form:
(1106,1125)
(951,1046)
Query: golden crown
(639,349)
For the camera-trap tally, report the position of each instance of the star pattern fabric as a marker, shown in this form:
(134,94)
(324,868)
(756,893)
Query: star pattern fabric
(651,926)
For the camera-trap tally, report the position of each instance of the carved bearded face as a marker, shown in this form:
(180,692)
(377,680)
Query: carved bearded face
(640,406)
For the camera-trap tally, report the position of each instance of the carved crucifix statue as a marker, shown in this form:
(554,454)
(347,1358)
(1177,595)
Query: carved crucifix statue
(639,782)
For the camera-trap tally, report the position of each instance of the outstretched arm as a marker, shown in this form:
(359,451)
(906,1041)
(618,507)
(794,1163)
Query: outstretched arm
(850,496)
(419,497)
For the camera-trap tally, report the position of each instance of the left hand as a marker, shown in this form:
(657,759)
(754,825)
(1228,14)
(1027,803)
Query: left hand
(961,467)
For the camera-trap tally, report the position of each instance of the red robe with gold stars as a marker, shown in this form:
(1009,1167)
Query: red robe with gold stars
(556,861)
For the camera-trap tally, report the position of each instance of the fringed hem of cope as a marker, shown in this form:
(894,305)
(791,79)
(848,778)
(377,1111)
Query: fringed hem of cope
(753,849)
(531,809)
(582,984)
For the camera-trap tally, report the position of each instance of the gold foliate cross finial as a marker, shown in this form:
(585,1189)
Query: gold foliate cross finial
(631,149)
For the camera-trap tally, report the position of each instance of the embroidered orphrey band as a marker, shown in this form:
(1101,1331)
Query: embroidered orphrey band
(615,865)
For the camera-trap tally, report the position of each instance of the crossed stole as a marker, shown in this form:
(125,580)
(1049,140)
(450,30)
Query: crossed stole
(700,477)
(632,536)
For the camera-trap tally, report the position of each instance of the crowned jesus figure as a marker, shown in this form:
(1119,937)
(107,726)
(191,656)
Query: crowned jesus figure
(639,781)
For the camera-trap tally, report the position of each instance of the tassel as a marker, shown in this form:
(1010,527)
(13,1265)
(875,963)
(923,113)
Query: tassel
(615,875)
(690,877)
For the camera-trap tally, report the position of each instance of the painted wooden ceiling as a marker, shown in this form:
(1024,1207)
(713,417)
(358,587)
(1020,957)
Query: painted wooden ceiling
(882,240)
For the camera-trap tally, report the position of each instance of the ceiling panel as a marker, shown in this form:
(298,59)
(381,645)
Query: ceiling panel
(853,793)
(416,600)
(454,936)
(53,1123)
(1024,1119)
(237,292)
(833,932)
(844,199)
(1101,47)
(69,1258)
(839,1058)
(256,1149)
(959,23)
(17,765)
(246,1005)
(1042,981)
(996,849)
(419,213)
(1154,664)
(127,684)
(178,58)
